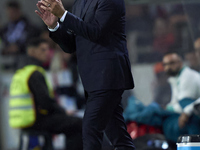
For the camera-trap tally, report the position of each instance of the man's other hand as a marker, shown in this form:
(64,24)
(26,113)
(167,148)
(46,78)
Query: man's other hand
(182,120)
(49,19)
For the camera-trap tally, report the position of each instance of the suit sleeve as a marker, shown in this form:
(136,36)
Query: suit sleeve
(107,12)
(65,39)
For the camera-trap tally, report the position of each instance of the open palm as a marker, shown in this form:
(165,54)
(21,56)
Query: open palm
(49,19)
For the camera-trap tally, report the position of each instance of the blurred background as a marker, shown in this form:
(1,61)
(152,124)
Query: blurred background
(153,27)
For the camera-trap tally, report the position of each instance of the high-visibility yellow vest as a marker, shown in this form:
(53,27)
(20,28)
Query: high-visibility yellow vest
(21,104)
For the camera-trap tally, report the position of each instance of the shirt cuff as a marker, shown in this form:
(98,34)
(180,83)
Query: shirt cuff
(63,17)
(55,29)
(189,109)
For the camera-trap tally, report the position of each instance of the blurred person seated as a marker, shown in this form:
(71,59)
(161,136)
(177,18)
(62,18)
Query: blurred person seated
(176,119)
(17,31)
(185,87)
(32,103)
(184,83)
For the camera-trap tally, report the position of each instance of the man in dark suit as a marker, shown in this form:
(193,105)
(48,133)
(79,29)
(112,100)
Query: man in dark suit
(95,30)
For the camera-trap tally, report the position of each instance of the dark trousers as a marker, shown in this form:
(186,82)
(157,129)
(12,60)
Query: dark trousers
(61,123)
(104,114)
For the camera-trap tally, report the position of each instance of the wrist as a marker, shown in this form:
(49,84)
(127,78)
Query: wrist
(61,14)
(53,26)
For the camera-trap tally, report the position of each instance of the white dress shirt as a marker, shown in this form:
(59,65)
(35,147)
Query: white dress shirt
(61,20)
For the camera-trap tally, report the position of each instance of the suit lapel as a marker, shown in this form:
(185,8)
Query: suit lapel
(86,8)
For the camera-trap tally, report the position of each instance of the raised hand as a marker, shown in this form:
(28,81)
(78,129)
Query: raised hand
(54,6)
(49,19)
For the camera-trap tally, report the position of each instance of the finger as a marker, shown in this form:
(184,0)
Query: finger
(59,1)
(39,7)
(39,3)
(45,3)
(44,7)
(49,1)
(39,14)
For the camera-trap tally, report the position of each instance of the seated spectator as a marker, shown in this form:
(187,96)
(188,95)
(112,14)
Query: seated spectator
(32,98)
(183,81)
(17,31)
(185,90)
(176,119)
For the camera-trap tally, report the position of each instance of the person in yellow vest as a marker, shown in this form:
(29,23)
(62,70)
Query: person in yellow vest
(32,105)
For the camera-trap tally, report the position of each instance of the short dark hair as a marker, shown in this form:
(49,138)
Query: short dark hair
(173,52)
(13,4)
(35,42)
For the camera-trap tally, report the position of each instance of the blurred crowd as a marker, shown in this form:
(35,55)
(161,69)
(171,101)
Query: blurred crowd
(152,30)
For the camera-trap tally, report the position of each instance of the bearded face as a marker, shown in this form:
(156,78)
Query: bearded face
(171,72)
(172,64)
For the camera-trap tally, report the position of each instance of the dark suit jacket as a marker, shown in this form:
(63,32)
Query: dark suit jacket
(98,37)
